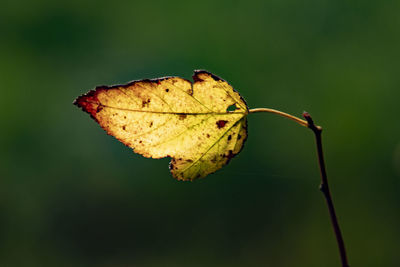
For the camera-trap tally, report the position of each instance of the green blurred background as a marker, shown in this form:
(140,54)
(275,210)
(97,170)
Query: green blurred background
(70,195)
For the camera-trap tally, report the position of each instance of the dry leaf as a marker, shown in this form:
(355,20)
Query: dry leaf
(171,117)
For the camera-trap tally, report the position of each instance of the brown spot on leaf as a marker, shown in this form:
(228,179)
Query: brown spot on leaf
(145,103)
(196,78)
(239,136)
(167,90)
(229,155)
(151,124)
(182,116)
(208,136)
(124,127)
(229,137)
(221,123)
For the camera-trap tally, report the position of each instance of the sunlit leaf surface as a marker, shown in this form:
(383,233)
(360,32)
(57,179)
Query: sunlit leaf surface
(200,125)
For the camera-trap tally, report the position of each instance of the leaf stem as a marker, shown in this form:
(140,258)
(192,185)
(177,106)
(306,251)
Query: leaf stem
(283,114)
(324,187)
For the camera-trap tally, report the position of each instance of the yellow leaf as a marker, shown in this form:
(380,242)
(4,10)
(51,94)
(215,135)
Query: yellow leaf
(171,117)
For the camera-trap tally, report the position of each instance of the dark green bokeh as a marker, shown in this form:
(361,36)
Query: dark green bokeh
(70,195)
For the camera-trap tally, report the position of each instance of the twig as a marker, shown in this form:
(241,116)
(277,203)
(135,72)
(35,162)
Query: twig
(324,187)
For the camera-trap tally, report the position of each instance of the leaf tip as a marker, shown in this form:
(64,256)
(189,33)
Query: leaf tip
(89,102)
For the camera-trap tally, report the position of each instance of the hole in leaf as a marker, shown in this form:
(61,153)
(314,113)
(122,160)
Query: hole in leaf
(231,108)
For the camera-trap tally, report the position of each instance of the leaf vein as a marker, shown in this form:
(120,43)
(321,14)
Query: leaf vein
(219,139)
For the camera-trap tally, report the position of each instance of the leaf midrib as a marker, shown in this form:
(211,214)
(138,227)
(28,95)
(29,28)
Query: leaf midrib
(170,112)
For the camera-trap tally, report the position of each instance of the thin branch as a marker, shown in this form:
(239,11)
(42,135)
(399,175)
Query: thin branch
(324,187)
